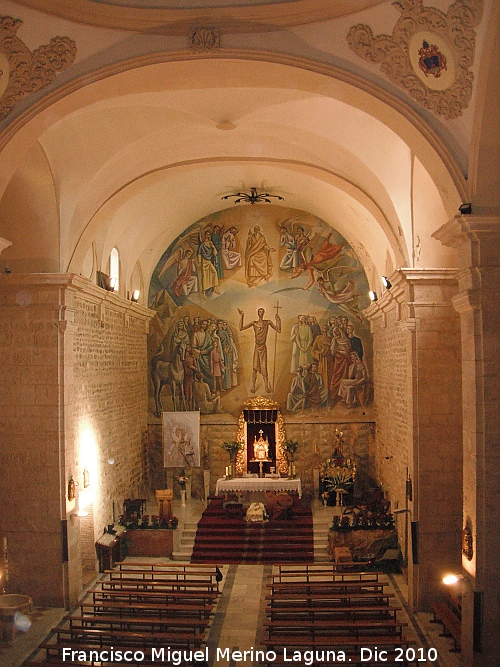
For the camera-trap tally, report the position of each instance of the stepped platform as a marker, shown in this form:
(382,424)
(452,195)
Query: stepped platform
(235,540)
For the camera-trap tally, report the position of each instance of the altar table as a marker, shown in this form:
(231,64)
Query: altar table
(258,484)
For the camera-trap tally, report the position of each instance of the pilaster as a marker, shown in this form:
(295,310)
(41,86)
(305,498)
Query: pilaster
(477,240)
(425,340)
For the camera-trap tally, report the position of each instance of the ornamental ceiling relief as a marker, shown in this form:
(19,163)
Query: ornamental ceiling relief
(429,54)
(23,71)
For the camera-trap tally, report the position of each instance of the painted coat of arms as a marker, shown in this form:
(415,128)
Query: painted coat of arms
(431,60)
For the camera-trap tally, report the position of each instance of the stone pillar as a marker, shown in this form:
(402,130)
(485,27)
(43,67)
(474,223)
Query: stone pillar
(417,403)
(477,239)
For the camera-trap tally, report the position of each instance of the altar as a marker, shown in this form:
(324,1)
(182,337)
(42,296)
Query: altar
(242,484)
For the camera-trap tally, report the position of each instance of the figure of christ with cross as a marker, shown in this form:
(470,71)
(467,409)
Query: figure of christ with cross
(260,328)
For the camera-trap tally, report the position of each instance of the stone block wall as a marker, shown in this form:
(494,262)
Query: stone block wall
(73,395)
(417,374)
(316,446)
(30,426)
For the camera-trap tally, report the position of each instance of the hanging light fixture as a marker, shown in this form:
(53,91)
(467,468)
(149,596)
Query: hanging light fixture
(253,197)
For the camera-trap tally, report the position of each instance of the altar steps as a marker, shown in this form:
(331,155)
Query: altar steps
(238,541)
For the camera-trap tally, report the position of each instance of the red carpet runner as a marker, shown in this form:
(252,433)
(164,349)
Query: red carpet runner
(229,539)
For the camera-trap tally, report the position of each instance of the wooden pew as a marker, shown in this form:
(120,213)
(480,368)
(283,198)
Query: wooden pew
(326,612)
(123,608)
(104,637)
(355,627)
(452,626)
(139,584)
(144,624)
(133,596)
(338,598)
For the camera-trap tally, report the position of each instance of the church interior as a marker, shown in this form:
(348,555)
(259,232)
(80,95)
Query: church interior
(249,253)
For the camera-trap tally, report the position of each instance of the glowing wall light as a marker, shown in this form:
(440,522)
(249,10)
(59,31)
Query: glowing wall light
(88,462)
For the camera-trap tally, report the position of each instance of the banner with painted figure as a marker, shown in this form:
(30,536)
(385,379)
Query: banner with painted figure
(264,300)
(181,439)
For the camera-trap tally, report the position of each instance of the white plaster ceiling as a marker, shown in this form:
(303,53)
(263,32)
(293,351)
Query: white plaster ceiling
(138,157)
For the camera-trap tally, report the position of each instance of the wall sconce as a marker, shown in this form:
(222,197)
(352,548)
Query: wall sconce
(135,296)
(465,209)
(386,282)
(373,295)
(451,579)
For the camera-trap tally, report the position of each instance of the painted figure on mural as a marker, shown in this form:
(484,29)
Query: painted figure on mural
(321,353)
(290,259)
(356,343)
(302,341)
(207,254)
(260,327)
(258,262)
(186,281)
(190,369)
(227,353)
(341,353)
(216,366)
(295,397)
(312,389)
(230,257)
(352,386)
(216,238)
(202,344)
(207,401)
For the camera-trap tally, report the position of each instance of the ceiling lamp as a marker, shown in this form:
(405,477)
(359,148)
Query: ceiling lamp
(253,197)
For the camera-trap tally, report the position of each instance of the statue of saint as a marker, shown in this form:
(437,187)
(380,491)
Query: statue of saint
(260,448)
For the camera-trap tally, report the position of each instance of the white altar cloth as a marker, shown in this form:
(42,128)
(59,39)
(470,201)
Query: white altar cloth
(258,484)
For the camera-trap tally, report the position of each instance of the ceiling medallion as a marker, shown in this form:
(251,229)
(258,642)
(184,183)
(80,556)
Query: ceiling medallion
(429,53)
(204,40)
(253,197)
(25,72)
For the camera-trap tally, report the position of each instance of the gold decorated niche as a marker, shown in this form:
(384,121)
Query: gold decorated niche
(260,425)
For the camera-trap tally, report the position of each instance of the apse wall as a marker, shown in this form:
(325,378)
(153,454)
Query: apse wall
(263,300)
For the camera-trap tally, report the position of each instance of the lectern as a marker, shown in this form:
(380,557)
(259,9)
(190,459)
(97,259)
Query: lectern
(164,498)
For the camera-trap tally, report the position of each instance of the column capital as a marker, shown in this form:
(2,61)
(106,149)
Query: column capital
(464,229)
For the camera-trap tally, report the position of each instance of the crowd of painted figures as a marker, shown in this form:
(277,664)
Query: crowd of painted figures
(328,362)
(208,356)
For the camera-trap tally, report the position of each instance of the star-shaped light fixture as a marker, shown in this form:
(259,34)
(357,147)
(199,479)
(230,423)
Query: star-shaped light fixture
(253,197)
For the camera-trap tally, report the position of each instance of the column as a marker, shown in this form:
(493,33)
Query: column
(477,240)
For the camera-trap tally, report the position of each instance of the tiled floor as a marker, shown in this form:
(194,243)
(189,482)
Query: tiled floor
(238,621)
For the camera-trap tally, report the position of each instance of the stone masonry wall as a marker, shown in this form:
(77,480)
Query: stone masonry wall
(29,437)
(110,395)
(315,446)
(73,395)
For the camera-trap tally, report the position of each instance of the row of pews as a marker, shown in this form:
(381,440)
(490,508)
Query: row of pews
(318,607)
(138,614)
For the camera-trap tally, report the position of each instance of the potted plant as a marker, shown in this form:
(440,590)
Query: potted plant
(232,448)
(290,447)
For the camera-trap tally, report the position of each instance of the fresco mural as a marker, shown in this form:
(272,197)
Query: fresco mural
(264,300)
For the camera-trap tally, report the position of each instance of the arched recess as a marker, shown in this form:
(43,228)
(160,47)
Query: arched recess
(234,71)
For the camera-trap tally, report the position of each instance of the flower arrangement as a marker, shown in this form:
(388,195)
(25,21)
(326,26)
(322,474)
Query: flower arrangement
(290,447)
(174,522)
(232,448)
